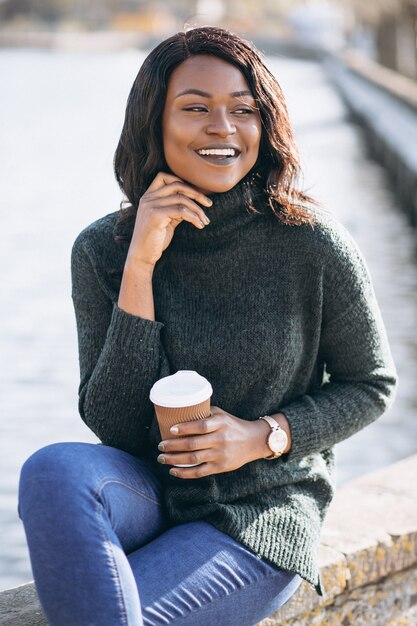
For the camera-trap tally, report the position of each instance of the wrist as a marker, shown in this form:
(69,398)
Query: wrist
(137,267)
(260,446)
(263,430)
(262,449)
(136,290)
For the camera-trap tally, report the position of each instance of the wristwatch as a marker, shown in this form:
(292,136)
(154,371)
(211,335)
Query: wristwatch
(277,438)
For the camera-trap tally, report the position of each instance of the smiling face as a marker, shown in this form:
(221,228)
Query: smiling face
(211,126)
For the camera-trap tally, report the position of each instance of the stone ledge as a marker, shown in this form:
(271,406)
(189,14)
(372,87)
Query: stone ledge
(380,604)
(368,555)
(368,561)
(20,607)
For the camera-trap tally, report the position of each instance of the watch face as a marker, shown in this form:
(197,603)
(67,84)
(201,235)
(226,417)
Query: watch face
(278,441)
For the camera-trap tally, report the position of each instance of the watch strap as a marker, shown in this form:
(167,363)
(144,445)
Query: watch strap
(271,421)
(274,426)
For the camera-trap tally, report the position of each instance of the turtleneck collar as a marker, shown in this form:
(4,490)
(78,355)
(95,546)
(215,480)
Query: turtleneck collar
(228,212)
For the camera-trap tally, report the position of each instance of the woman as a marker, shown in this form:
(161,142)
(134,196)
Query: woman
(218,265)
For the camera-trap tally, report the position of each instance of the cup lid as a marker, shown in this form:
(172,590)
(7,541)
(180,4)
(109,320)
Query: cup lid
(184,388)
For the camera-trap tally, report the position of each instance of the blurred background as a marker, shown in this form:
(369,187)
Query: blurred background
(348,70)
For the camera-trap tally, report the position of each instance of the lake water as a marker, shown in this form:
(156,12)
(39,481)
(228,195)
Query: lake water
(61,114)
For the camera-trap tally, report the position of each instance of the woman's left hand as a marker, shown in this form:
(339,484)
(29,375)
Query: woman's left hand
(219,443)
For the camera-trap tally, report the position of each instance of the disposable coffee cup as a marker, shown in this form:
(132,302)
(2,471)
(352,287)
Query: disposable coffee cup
(182,397)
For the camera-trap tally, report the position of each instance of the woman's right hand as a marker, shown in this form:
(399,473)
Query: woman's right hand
(166,203)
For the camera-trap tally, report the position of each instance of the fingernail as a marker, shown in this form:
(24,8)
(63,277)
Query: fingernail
(209,201)
(161,458)
(206,220)
(173,472)
(203,225)
(174,430)
(161,446)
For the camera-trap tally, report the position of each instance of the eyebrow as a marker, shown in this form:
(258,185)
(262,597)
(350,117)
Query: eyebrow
(204,94)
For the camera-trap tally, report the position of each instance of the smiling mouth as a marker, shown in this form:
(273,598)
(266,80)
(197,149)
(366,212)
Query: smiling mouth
(219,156)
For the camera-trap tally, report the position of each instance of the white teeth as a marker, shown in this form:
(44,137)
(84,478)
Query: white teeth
(218,152)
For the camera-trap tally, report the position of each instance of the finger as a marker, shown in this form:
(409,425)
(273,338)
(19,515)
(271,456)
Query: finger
(177,186)
(163,216)
(178,214)
(179,200)
(188,444)
(196,427)
(162,179)
(186,458)
(205,469)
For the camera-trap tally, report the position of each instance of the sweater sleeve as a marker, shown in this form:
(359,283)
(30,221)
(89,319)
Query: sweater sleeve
(354,346)
(120,358)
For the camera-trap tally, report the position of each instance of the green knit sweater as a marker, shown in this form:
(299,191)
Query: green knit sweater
(277,318)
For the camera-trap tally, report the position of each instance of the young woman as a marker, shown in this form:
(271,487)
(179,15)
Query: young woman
(220,265)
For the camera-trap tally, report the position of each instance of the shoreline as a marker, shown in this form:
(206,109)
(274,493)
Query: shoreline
(77,41)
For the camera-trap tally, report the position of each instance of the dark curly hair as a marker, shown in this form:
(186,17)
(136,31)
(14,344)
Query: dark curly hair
(140,156)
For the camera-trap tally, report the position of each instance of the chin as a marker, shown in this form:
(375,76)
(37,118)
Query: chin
(216,187)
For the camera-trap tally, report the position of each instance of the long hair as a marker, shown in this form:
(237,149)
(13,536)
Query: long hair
(140,156)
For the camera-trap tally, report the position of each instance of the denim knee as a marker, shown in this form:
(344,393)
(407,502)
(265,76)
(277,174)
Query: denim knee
(45,460)
(44,469)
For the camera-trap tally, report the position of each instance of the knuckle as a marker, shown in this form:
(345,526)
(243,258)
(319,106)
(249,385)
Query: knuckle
(194,457)
(228,434)
(223,436)
(193,444)
(204,425)
(143,201)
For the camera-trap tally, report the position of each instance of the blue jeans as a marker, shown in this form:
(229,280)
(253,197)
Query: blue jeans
(103,554)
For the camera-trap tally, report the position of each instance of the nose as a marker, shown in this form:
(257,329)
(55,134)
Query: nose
(220,124)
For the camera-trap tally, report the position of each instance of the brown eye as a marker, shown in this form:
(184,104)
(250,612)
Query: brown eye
(195,109)
(244,111)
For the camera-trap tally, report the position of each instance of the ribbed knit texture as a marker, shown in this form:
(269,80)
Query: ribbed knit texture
(278,318)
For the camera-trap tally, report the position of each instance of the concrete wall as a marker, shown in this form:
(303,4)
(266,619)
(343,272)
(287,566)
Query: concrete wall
(368,561)
(385,104)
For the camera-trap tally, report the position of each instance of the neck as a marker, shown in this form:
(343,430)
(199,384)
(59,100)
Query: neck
(230,210)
